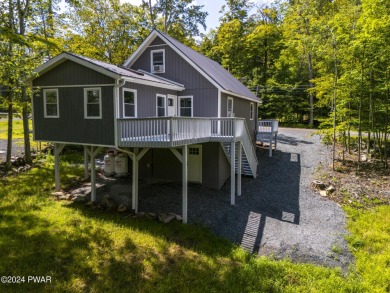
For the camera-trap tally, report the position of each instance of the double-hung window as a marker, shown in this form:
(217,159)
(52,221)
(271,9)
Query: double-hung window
(157,61)
(50,102)
(185,106)
(129,103)
(161,105)
(92,103)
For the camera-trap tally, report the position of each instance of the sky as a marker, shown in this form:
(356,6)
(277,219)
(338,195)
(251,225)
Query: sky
(211,6)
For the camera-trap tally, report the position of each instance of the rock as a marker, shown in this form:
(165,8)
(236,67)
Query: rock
(363,158)
(323,193)
(126,201)
(316,184)
(90,204)
(58,193)
(179,218)
(166,218)
(330,189)
(108,202)
(79,198)
(151,216)
(122,208)
(140,215)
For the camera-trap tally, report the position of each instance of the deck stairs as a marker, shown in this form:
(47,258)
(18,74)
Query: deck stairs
(245,166)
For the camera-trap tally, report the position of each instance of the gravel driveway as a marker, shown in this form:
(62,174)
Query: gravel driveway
(278,213)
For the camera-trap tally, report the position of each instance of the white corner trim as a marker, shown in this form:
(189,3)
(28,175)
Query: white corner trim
(86,103)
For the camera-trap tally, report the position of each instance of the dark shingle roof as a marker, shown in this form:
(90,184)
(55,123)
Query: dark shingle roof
(213,69)
(125,72)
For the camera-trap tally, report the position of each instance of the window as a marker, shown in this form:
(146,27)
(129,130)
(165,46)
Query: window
(158,61)
(252,111)
(129,103)
(92,103)
(185,106)
(230,112)
(50,103)
(160,105)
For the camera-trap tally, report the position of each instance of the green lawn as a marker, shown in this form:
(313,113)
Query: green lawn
(87,250)
(17,131)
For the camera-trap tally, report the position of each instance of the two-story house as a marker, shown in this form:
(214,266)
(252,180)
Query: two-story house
(178,114)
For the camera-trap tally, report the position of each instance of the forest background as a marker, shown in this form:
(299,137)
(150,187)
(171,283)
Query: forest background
(311,62)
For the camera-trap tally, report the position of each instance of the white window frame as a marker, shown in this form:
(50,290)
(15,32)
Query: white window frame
(151,60)
(192,105)
(86,100)
(252,111)
(135,103)
(165,104)
(227,107)
(45,104)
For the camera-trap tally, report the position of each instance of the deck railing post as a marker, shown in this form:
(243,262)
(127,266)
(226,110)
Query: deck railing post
(171,130)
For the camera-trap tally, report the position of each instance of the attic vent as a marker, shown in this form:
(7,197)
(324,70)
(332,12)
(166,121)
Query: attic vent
(158,68)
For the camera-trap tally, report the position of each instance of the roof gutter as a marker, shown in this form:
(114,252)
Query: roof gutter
(154,84)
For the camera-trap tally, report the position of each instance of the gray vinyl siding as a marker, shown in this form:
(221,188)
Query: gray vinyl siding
(205,94)
(241,108)
(71,73)
(71,126)
(146,98)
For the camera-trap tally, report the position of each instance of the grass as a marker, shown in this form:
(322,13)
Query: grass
(17,129)
(87,250)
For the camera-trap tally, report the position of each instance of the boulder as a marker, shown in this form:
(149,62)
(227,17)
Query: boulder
(122,208)
(166,218)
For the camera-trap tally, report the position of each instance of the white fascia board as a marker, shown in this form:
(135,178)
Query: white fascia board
(140,49)
(64,56)
(150,39)
(77,143)
(239,96)
(154,84)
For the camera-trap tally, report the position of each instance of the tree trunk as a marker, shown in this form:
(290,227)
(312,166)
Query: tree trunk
(9,129)
(311,98)
(26,128)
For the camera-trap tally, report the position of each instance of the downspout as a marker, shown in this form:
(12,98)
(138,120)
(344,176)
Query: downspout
(119,83)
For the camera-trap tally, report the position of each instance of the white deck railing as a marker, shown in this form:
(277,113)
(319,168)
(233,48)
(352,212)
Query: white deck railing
(268,126)
(179,131)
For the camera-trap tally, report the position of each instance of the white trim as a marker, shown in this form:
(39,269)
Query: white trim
(165,104)
(116,108)
(53,62)
(45,104)
(151,60)
(149,39)
(76,143)
(251,111)
(154,84)
(152,46)
(219,103)
(160,77)
(227,107)
(135,102)
(86,100)
(179,106)
(238,95)
(66,86)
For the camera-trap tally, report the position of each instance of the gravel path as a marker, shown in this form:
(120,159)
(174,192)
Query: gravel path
(278,213)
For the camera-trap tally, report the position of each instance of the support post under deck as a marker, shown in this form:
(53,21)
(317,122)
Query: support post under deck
(232,173)
(185,179)
(239,165)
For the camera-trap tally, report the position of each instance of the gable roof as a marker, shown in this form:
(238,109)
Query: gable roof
(109,70)
(210,69)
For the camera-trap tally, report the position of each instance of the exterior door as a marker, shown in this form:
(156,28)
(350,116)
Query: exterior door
(172,105)
(195,163)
